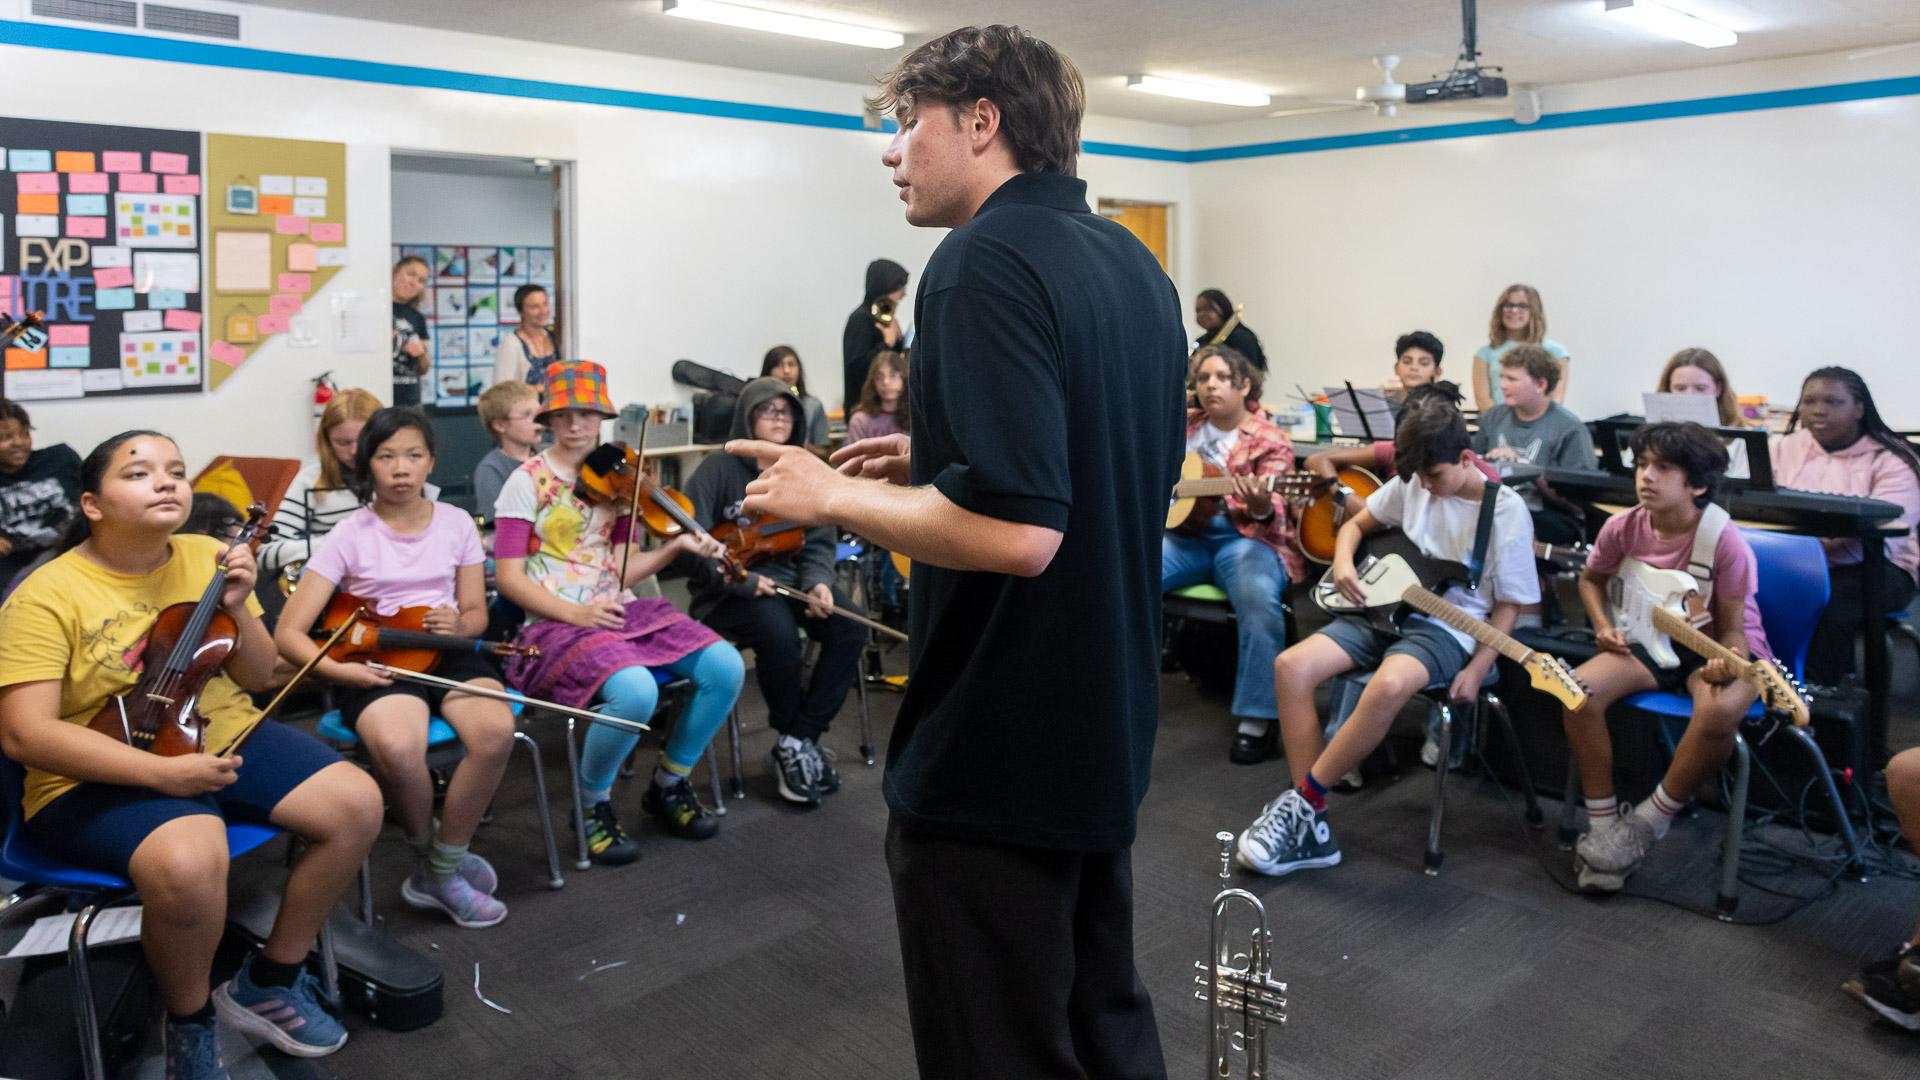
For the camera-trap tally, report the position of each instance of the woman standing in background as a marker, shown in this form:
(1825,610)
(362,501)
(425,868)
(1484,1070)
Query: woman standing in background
(410,355)
(523,355)
(1519,318)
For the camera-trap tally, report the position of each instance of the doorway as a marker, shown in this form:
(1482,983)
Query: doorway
(1146,220)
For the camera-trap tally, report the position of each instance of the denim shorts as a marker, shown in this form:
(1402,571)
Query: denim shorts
(1420,637)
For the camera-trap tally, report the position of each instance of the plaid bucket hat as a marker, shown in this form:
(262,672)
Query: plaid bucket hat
(576,384)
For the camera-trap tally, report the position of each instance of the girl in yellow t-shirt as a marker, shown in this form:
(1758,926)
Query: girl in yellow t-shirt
(73,636)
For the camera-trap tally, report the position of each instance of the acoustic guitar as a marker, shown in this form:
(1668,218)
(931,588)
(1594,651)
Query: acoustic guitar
(1320,501)
(1656,610)
(1399,578)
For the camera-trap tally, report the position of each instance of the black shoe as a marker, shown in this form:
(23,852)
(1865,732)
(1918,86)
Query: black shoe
(680,812)
(1254,749)
(607,843)
(826,780)
(793,772)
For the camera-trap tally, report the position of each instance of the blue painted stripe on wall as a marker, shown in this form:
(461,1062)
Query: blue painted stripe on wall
(75,39)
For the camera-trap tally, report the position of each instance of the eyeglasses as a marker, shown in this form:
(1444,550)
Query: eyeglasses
(773,411)
(1516,307)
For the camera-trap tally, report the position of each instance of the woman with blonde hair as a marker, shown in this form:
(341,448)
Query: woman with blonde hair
(1519,318)
(323,493)
(1697,371)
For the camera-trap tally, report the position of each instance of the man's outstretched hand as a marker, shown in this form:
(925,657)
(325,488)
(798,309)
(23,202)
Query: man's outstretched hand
(883,457)
(793,485)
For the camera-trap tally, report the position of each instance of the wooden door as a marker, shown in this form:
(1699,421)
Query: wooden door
(1148,221)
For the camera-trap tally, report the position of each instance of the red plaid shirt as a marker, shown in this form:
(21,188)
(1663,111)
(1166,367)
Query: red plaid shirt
(1261,450)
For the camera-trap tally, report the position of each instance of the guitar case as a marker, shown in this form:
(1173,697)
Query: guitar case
(394,986)
(37,1037)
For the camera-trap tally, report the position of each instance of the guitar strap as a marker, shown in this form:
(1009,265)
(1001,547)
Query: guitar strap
(1706,540)
(1482,535)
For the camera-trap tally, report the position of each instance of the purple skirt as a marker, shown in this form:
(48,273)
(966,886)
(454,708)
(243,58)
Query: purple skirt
(575,661)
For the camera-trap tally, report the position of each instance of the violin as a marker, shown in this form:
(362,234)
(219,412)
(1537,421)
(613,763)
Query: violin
(613,474)
(766,539)
(161,713)
(401,640)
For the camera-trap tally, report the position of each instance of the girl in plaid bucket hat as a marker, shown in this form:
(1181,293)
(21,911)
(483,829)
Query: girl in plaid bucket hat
(560,558)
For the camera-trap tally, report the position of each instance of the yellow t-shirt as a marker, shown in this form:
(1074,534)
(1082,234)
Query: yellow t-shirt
(85,626)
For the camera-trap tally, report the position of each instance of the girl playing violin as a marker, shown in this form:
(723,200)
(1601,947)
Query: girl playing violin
(73,636)
(404,550)
(569,564)
(750,612)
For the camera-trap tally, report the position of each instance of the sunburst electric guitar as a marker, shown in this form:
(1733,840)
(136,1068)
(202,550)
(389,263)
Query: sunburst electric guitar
(1657,609)
(1398,579)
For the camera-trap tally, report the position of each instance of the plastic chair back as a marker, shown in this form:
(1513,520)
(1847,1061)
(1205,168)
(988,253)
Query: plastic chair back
(267,478)
(1792,591)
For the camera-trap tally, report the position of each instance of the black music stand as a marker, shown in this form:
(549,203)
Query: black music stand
(1612,433)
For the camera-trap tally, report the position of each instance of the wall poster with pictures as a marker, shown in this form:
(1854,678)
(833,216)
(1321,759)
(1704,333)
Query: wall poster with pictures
(469,305)
(100,229)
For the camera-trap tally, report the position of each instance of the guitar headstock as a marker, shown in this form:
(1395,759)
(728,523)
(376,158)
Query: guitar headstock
(1782,693)
(1554,676)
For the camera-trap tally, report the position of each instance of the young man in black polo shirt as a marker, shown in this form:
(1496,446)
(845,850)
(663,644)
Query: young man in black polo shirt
(1046,403)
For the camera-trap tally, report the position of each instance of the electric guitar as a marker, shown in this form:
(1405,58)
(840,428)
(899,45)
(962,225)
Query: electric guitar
(1656,609)
(1568,557)
(1397,578)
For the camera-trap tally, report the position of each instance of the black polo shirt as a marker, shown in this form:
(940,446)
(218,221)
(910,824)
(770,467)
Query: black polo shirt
(1047,390)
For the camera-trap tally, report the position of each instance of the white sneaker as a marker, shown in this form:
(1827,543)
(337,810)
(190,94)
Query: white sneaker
(1608,854)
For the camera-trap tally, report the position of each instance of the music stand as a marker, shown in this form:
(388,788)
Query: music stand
(1611,435)
(1363,413)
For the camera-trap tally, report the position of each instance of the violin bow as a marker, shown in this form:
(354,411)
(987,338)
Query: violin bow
(633,508)
(339,634)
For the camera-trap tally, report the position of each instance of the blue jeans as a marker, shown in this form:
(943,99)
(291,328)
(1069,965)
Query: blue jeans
(1255,581)
(632,693)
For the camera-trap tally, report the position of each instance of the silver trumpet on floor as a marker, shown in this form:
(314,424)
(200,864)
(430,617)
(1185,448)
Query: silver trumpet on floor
(1238,987)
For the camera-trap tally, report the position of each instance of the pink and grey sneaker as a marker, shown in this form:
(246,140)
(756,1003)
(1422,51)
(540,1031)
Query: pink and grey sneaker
(479,873)
(292,1018)
(464,904)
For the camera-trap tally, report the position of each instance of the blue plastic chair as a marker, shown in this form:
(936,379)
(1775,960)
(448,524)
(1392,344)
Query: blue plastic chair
(47,876)
(333,729)
(1792,592)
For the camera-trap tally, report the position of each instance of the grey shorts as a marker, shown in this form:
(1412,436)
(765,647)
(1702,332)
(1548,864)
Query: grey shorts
(1421,638)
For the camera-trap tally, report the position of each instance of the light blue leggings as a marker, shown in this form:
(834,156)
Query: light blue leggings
(632,693)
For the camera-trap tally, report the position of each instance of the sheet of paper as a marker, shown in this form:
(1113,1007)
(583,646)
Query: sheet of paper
(69,356)
(112,277)
(272,324)
(310,185)
(332,256)
(328,232)
(226,353)
(276,185)
(138,322)
(41,386)
(37,204)
(290,225)
(29,161)
(96,381)
(1700,408)
(163,299)
(88,183)
(36,225)
(181,319)
(242,261)
(87,228)
(165,358)
(37,183)
(275,205)
(310,208)
(142,183)
(296,283)
(164,162)
(180,185)
(112,256)
(73,161)
(158,270)
(19,359)
(283,304)
(121,161)
(301,257)
(156,221)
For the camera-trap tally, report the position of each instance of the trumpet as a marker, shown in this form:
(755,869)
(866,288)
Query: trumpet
(1226,328)
(882,311)
(1242,997)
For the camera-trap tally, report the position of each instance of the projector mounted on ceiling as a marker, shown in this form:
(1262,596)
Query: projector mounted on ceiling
(1468,80)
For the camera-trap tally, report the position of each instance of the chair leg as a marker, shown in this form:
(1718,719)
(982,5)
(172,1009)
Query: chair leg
(1728,899)
(366,890)
(1491,700)
(1855,864)
(554,880)
(579,809)
(1570,807)
(329,962)
(866,720)
(733,739)
(93,1061)
(713,778)
(1434,821)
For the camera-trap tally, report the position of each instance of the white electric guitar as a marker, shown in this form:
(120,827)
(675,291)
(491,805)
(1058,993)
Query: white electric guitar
(1656,609)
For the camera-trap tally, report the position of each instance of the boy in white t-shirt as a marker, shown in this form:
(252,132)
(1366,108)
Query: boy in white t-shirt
(1435,500)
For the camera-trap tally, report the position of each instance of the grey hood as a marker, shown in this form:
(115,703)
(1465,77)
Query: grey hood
(759,392)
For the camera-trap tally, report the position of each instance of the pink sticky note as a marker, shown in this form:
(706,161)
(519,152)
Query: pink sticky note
(112,277)
(273,324)
(296,283)
(164,162)
(284,305)
(180,185)
(225,353)
(290,225)
(87,183)
(140,183)
(329,232)
(87,228)
(39,183)
(120,161)
(70,335)
(182,319)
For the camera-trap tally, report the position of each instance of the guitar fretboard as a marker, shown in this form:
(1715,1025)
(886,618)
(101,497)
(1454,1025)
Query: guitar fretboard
(1430,604)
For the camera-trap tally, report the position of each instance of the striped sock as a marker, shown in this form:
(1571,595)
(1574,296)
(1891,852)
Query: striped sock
(1314,792)
(669,774)
(1659,811)
(444,860)
(1603,811)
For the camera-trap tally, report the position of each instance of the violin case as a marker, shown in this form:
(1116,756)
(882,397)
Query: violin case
(392,985)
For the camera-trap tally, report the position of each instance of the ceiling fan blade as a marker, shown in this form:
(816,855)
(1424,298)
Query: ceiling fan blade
(1882,50)
(1310,110)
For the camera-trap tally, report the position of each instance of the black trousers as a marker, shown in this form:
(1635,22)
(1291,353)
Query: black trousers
(770,625)
(1831,655)
(1019,962)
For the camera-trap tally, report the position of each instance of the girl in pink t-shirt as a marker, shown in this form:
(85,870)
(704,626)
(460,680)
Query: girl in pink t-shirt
(404,550)
(1675,466)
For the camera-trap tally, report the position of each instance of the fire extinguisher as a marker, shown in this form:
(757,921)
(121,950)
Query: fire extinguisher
(323,391)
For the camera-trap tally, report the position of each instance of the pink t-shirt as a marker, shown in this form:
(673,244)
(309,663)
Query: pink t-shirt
(365,557)
(866,425)
(1631,536)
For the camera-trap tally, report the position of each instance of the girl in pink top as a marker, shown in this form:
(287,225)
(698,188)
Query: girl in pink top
(1837,443)
(401,550)
(883,400)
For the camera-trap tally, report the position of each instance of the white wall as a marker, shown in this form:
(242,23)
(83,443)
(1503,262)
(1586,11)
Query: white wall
(698,237)
(1782,240)
(447,208)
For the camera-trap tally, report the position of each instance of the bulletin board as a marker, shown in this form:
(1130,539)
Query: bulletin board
(469,306)
(100,228)
(276,219)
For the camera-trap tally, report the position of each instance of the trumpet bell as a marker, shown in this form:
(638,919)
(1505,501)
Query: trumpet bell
(882,311)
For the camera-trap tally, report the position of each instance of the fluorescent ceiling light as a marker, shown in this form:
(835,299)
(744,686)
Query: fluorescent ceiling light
(1217,93)
(1660,19)
(780,22)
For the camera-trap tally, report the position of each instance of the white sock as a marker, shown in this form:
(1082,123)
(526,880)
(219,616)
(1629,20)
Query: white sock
(788,742)
(1659,811)
(1603,812)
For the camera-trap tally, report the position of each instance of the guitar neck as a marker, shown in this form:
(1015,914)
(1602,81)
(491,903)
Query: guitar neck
(1206,486)
(1429,603)
(1689,635)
